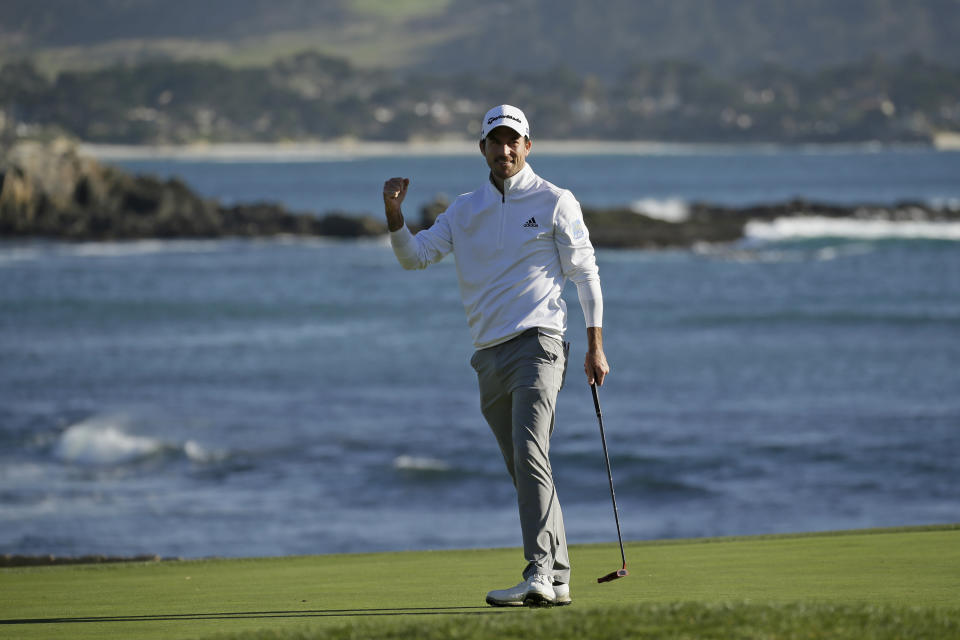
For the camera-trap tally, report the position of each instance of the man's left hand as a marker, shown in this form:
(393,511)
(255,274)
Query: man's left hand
(595,365)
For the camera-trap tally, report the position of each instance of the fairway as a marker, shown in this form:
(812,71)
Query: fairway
(685,588)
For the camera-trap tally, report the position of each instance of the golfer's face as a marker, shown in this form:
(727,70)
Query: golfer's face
(506,152)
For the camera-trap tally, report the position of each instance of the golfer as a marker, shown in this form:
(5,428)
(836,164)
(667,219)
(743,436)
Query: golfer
(516,240)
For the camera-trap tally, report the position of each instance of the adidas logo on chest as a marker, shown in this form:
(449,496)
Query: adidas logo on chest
(531,224)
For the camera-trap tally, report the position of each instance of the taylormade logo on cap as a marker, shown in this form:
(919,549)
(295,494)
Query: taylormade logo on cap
(504,116)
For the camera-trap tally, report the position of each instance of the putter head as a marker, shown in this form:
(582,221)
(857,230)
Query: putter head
(613,575)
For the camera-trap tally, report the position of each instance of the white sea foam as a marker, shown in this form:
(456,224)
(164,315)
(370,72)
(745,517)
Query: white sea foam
(870,229)
(764,254)
(843,251)
(102,441)
(669,210)
(19,254)
(114,249)
(133,248)
(416,463)
(138,248)
(196,452)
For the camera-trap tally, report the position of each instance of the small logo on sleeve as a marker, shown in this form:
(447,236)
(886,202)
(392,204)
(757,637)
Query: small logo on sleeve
(578,231)
(531,224)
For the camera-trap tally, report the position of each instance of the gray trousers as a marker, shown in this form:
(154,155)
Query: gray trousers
(519,381)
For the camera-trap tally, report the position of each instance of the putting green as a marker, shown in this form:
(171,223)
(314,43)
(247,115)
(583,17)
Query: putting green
(898,570)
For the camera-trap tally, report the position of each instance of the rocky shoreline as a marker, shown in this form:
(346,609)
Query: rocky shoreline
(53,191)
(712,224)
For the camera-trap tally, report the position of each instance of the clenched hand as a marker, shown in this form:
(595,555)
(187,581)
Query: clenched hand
(394,191)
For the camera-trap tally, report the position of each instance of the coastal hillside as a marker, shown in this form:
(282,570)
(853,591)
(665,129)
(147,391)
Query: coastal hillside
(703,71)
(310,97)
(462,35)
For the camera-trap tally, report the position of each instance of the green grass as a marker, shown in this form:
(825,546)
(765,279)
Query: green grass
(863,584)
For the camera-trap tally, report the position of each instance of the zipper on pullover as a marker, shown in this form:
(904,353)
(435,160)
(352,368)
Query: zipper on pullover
(503,206)
(503,219)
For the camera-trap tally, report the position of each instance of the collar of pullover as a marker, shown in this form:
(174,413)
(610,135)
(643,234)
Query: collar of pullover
(522,180)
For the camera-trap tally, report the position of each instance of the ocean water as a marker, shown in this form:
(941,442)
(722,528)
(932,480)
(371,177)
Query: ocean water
(673,177)
(284,396)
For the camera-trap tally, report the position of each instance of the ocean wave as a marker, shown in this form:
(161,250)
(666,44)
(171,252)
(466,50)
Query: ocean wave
(668,210)
(105,441)
(808,227)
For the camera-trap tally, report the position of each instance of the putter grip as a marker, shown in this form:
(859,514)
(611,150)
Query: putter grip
(596,400)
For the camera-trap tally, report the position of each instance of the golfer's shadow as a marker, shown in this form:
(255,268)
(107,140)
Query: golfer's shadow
(242,615)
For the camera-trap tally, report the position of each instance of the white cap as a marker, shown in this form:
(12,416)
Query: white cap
(504,116)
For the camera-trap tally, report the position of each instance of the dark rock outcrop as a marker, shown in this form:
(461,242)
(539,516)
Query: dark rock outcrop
(51,191)
(622,228)
(711,224)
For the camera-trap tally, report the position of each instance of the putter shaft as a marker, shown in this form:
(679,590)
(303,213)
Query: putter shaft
(613,496)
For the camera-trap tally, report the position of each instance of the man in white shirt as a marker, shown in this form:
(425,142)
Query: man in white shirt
(516,240)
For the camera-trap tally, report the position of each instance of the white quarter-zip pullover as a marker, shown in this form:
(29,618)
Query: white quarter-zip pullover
(514,252)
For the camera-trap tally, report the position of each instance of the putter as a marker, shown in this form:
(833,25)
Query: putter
(619,573)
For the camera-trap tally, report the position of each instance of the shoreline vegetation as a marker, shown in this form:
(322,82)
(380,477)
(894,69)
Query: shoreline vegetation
(308,95)
(61,190)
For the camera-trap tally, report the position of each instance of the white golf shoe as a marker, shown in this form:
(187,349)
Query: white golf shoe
(561,594)
(535,591)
